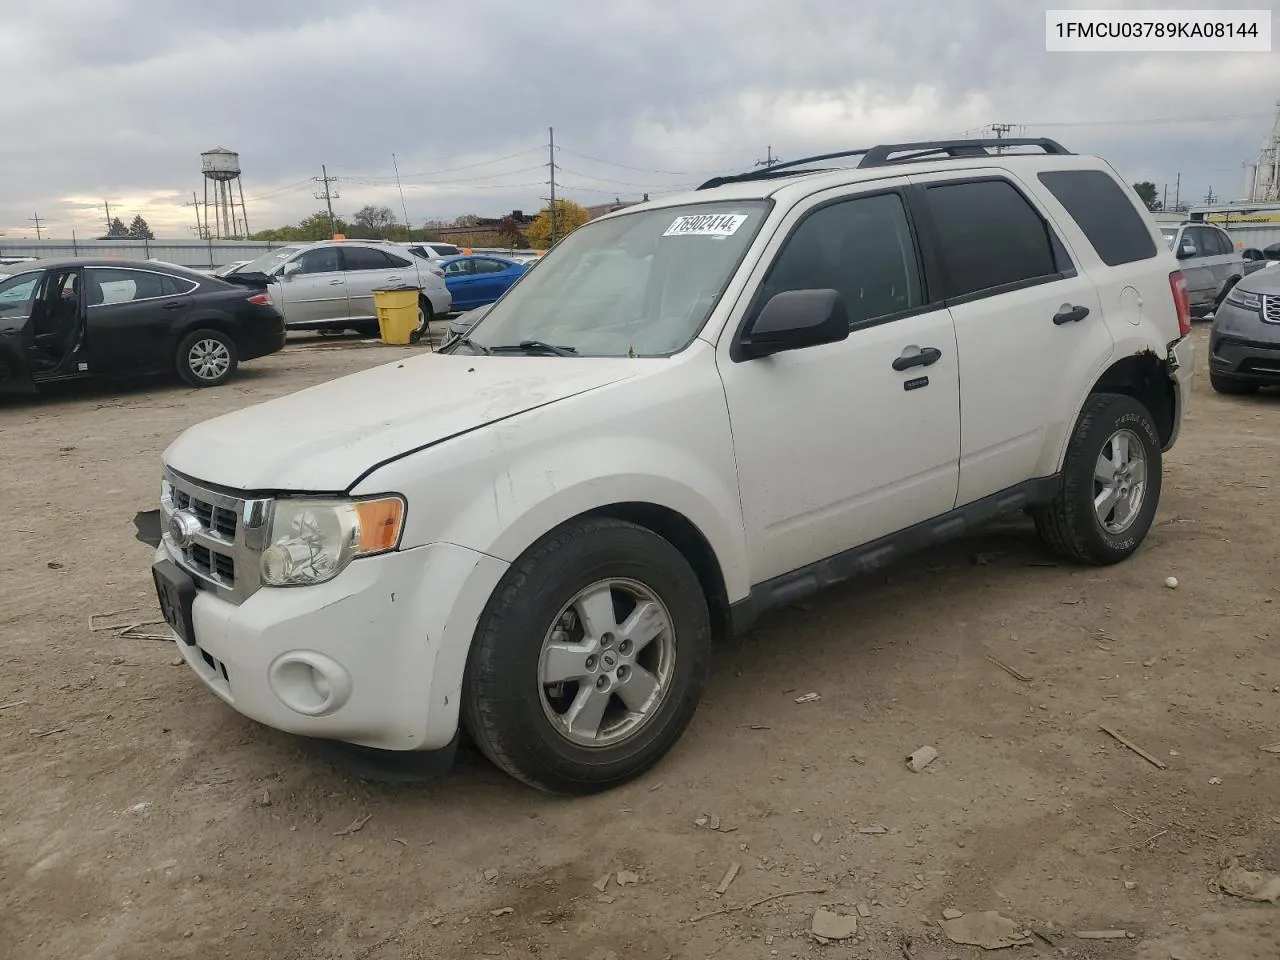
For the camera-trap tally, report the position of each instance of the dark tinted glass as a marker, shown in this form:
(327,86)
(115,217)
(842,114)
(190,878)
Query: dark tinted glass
(319,260)
(396,261)
(990,236)
(365,258)
(1104,213)
(489,266)
(860,247)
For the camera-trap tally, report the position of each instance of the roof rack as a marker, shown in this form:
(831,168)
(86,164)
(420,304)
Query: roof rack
(886,154)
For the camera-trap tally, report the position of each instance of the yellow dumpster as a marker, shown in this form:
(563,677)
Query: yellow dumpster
(397,314)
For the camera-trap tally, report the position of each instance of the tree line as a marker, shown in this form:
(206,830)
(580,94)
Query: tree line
(380,223)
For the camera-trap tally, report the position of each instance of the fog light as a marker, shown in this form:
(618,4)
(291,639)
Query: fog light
(310,683)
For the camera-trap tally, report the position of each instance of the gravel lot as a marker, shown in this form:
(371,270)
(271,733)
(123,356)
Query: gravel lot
(140,818)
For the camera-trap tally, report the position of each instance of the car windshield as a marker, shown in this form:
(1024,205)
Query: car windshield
(269,261)
(641,284)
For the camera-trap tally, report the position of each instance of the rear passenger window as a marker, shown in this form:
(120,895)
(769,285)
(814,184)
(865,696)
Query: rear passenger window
(175,286)
(990,236)
(1104,212)
(861,248)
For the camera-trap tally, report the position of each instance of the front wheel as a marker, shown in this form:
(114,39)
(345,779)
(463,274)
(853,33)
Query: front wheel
(590,658)
(207,358)
(1110,484)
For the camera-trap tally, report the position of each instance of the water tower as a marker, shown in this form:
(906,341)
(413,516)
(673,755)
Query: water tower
(221,168)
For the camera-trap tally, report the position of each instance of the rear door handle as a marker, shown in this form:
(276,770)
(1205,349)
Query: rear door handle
(1069,314)
(334,283)
(917,357)
(393,279)
(174,305)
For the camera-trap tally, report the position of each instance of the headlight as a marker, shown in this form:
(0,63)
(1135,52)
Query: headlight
(1244,299)
(313,540)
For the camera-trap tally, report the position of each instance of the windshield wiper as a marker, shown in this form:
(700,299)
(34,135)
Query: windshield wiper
(535,346)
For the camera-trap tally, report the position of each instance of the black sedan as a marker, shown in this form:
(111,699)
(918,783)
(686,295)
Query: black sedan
(71,319)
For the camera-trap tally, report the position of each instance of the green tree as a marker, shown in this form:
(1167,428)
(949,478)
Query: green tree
(1146,191)
(116,230)
(318,227)
(139,230)
(569,216)
(467,220)
(372,222)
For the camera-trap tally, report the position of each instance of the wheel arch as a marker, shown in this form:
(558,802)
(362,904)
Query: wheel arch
(1144,376)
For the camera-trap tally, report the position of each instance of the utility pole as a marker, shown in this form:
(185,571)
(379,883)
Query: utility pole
(1177,193)
(36,220)
(555,214)
(328,196)
(1000,129)
(769,159)
(107,204)
(1209,197)
(1164,200)
(195,205)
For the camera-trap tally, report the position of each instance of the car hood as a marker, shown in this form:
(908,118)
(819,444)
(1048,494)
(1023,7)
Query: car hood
(324,438)
(1265,280)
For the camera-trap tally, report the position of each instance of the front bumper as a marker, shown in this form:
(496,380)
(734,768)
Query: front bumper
(1243,346)
(374,657)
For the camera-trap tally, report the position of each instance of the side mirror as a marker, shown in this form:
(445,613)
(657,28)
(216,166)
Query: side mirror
(1187,251)
(795,319)
(289,269)
(1252,254)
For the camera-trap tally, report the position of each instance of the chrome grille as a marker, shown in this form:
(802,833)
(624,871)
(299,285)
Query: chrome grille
(222,555)
(1271,309)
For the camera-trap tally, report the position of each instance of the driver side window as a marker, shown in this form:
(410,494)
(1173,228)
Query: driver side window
(319,260)
(861,248)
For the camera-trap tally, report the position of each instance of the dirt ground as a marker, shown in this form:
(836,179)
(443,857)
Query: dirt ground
(141,818)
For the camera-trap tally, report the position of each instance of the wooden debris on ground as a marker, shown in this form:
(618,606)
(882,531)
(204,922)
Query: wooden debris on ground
(1153,760)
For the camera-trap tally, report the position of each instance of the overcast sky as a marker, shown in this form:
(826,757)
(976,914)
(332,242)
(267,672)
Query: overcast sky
(116,99)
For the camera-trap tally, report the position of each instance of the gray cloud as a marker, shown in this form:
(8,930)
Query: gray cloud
(120,96)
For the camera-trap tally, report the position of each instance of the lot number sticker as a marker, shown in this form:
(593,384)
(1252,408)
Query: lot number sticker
(706,225)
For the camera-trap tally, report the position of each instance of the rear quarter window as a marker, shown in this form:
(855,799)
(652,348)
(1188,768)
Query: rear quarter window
(1104,212)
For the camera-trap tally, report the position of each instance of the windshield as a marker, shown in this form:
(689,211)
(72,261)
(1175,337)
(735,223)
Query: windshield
(641,284)
(269,261)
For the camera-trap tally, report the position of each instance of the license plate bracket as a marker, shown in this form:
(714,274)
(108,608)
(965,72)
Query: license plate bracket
(176,592)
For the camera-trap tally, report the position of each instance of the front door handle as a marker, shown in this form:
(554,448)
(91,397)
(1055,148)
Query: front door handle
(174,305)
(917,357)
(1069,314)
(334,283)
(393,279)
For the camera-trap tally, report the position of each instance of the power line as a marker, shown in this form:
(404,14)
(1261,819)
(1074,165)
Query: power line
(625,166)
(1146,121)
(36,220)
(467,166)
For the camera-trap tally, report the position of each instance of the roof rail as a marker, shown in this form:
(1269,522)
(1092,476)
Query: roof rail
(887,153)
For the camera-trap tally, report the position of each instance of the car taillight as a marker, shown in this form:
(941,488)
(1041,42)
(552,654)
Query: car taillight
(260,299)
(1182,301)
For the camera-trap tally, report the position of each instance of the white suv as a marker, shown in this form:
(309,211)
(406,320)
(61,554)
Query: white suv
(693,410)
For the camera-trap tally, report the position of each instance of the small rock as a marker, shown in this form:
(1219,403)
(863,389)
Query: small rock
(1131,885)
(921,759)
(809,698)
(54,565)
(863,910)
(714,822)
(951,913)
(701,821)
(1171,583)
(988,930)
(829,925)
(491,875)
(502,911)
(265,799)
(816,838)
(176,662)
(1215,781)
(603,883)
(604,898)
(142,809)
(626,878)
(1259,887)
(874,828)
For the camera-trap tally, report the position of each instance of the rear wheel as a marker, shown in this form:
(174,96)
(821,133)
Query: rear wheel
(1110,485)
(1230,385)
(425,316)
(590,658)
(207,358)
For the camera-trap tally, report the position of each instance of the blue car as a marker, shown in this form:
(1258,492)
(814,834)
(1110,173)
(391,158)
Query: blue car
(477,279)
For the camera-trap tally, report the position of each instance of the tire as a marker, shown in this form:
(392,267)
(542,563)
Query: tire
(425,315)
(519,722)
(1070,525)
(1230,386)
(207,358)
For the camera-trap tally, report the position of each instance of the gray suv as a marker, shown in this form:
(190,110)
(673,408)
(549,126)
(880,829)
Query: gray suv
(1244,345)
(1208,258)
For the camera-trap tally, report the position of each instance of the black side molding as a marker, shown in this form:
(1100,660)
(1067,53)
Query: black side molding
(790,587)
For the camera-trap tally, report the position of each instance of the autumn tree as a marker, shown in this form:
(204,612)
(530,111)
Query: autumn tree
(568,217)
(1146,191)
